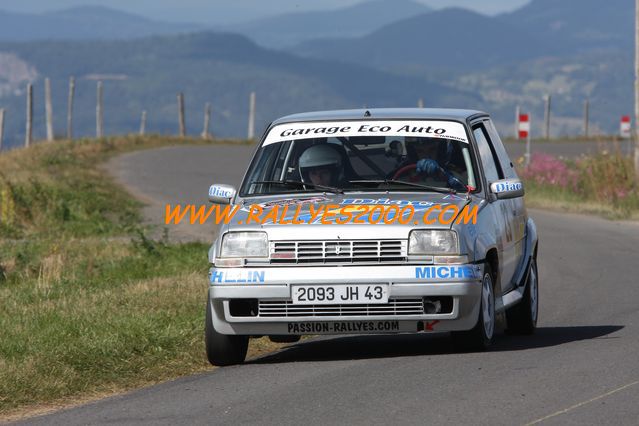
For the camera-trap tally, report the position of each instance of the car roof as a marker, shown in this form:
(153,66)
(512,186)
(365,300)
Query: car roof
(383,113)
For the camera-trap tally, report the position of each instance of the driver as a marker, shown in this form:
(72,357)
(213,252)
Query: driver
(321,165)
(431,158)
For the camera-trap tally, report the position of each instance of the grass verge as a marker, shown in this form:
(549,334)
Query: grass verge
(89,305)
(551,199)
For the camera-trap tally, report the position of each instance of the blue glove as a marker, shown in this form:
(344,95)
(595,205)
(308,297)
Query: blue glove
(456,184)
(427,166)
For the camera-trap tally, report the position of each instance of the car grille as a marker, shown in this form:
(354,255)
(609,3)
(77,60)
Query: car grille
(354,251)
(286,309)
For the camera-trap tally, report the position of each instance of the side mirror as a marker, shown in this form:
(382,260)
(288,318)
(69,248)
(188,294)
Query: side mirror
(221,194)
(507,188)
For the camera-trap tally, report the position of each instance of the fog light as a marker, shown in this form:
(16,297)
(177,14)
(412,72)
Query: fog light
(243,307)
(432,306)
(438,305)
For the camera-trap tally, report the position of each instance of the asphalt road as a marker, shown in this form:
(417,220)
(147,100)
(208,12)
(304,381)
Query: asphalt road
(180,175)
(581,367)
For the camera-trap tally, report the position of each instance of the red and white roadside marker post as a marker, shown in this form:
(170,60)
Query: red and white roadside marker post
(524,133)
(625,127)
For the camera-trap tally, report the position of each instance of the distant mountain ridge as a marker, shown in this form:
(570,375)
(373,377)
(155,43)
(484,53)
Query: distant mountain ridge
(83,23)
(458,38)
(208,67)
(103,23)
(575,23)
(357,20)
(448,38)
(571,49)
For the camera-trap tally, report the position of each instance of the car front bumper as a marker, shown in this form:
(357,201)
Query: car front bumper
(408,284)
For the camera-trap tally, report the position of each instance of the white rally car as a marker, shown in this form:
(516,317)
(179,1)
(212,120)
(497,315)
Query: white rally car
(412,265)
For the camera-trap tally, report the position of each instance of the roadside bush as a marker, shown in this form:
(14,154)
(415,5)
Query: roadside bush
(605,178)
(544,169)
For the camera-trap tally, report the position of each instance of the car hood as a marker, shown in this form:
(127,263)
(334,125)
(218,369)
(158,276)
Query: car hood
(301,208)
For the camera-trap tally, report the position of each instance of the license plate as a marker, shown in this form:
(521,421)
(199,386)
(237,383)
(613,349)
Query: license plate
(339,294)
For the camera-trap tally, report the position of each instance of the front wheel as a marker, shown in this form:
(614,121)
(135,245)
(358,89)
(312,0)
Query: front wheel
(522,318)
(222,349)
(480,337)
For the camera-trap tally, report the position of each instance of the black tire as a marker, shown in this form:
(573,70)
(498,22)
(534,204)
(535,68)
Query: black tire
(285,338)
(522,318)
(222,349)
(481,336)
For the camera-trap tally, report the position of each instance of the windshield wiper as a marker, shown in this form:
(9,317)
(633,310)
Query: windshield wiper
(401,182)
(300,183)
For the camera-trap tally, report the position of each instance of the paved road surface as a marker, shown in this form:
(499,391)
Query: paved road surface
(580,368)
(180,175)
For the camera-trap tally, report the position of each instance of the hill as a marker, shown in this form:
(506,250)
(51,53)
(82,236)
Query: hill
(357,20)
(83,23)
(577,24)
(571,49)
(146,74)
(450,38)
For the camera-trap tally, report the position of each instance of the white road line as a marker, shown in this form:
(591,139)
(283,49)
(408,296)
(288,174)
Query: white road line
(582,403)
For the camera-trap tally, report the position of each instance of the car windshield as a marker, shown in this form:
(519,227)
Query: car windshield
(361,156)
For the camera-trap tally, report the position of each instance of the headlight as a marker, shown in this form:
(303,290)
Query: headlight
(433,242)
(244,244)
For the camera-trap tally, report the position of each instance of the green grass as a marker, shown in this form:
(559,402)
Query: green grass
(129,318)
(89,305)
(549,198)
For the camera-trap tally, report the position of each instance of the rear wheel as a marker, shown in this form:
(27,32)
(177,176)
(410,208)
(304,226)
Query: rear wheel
(522,318)
(222,349)
(480,337)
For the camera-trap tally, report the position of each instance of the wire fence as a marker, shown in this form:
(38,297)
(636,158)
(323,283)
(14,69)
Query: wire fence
(206,132)
(544,130)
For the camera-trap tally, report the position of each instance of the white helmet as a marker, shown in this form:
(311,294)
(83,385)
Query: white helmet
(321,157)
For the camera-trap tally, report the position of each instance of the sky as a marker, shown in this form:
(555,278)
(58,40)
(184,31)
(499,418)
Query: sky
(229,11)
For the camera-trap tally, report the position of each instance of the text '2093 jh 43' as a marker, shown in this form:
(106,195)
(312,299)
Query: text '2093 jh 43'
(285,280)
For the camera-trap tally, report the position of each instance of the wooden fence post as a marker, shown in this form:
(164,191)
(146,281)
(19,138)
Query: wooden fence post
(547,118)
(1,127)
(143,123)
(207,121)
(48,109)
(70,108)
(181,123)
(251,123)
(99,117)
(586,117)
(29,129)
